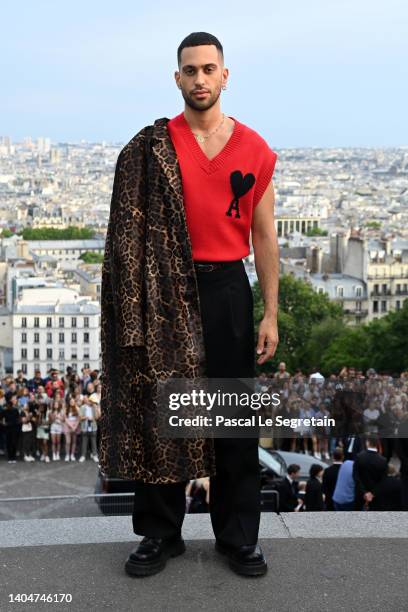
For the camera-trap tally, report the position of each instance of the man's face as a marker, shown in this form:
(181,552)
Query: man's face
(201,70)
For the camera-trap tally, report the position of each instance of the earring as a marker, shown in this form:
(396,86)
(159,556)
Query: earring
(224,87)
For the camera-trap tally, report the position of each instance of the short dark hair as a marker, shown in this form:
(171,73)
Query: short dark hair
(315,469)
(293,468)
(198,38)
(338,454)
(372,440)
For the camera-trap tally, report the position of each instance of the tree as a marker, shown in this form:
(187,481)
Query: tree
(348,348)
(300,309)
(54,233)
(6,233)
(316,231)
(91,257)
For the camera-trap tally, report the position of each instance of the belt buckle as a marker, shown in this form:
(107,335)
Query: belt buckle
(207,267)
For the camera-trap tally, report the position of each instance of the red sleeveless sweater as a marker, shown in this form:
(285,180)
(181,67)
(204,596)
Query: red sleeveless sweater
(220,194)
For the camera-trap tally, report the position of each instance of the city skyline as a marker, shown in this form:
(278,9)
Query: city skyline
(94,73)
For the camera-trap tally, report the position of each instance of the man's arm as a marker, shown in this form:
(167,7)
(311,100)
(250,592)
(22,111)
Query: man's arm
(266,254)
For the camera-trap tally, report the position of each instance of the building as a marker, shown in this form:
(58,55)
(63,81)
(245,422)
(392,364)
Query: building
(368,276)
(55,327)
(291,220)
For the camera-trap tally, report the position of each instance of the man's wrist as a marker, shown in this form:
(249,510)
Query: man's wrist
(270,313)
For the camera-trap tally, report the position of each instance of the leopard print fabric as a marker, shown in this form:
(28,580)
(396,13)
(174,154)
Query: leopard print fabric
(151,326)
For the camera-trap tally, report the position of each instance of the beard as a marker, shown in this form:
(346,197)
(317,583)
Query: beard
(201,105)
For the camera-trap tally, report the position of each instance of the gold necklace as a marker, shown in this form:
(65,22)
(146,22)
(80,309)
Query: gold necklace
(201,138)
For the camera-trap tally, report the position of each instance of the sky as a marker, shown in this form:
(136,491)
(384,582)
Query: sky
(303,74)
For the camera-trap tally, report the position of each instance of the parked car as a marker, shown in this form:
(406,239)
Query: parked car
(304,461)
(275,468)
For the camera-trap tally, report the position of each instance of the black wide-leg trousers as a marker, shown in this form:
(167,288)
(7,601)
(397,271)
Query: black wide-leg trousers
(226,304)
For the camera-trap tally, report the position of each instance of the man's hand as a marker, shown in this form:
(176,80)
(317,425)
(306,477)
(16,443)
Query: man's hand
(368,497)
(267,339)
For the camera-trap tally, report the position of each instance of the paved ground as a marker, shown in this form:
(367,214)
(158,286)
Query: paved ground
(34,479)
(304,576)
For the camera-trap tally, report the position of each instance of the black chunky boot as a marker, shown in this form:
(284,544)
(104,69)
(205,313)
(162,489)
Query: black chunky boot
(151,555)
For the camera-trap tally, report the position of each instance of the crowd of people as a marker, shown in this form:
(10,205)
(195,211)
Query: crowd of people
(359,404)
(56,416)
(365,482)
(364,446)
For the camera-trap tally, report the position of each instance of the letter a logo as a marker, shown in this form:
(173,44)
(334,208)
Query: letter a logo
(240,186)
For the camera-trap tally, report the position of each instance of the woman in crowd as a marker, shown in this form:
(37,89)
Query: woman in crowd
(27,432)
(57,419)
(71,428)
(314,493)
(43,430)
(324,432)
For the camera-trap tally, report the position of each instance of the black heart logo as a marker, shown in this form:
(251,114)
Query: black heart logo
(241,184)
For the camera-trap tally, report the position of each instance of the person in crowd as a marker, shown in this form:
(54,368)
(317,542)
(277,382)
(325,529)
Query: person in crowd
(53,383)
(67,377)
(12,421)
(71,429)
(402,450)
(36,381)
(369,469)
(316,376)
(387,426)
(371,415)
(86,378)
(43,429)
(281,373)
(57,420)
(89,414)
(314,500)
(289,500)
(20,380)
(330,475)
(41,395)
(344,491)
(27,433)
(22,397)
(89,388)
(198,495)
(2,426)
(388,495)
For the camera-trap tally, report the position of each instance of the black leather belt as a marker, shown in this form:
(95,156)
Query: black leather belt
(209,266)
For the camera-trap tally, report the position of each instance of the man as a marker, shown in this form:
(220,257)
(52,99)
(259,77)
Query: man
(289,489)
(187,192)
(330,475)
(36,381)
(402,451)
(389,492)
(52,382)
(369,469)
(344,493)
(281,373)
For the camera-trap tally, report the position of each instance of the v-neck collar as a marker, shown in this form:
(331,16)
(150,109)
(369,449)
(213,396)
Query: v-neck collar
(210,165)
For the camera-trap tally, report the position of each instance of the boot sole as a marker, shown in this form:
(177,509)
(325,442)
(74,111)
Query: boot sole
(149,569)
(259,569)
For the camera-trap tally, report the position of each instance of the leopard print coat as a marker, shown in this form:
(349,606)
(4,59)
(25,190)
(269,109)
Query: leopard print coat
(151,324)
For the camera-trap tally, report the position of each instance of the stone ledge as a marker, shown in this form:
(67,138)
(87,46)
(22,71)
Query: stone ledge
(98,530)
